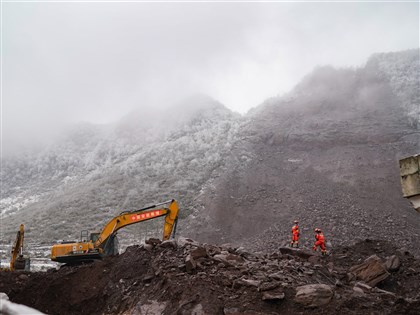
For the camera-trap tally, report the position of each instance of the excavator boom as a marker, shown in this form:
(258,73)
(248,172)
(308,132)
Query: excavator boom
(18,262)
(103,243)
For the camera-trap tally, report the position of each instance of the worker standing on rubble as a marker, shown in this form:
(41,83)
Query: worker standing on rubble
(320,241)
(295,234)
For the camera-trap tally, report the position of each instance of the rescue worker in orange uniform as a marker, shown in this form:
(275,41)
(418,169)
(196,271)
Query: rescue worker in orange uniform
(320,241)
(295,235)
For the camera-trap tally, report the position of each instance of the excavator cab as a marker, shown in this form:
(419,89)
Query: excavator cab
(110,246)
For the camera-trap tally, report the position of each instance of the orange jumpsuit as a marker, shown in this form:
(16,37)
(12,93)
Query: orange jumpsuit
(295,236)
(320,241)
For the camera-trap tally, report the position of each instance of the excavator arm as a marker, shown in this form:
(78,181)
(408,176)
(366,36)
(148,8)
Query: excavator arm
(102,244)
(136,216)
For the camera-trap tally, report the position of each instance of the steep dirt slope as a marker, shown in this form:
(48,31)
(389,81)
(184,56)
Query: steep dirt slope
(326,155)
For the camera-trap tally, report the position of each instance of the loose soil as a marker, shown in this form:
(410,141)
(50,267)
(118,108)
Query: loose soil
(160,279)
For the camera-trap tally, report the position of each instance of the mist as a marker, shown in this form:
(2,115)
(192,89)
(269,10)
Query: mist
(69,62)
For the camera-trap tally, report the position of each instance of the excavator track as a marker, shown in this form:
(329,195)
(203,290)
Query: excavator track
(78,258)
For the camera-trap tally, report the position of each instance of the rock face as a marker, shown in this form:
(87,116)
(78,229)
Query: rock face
(313,295)
(392,263)
(371,271)
(326,155)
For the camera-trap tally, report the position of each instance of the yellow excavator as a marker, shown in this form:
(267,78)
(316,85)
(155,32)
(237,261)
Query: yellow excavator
(98,245)
(18,262)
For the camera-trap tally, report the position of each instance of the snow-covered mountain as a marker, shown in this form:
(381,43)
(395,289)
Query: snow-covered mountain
(326,153)
(95,172)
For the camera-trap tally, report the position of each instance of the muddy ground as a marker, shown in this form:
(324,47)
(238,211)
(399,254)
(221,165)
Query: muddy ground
(186,277)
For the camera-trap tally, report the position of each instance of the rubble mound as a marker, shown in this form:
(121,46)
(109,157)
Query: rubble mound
(186,277)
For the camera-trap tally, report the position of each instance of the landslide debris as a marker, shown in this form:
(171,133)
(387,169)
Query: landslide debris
(325,154)
(186,277)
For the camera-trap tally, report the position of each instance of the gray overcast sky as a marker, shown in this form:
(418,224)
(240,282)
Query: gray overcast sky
(68,62)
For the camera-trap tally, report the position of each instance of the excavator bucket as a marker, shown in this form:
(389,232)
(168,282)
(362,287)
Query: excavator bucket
(18,261)
(22,263)
(410,179)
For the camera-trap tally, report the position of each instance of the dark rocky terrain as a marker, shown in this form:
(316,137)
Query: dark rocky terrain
(192,278)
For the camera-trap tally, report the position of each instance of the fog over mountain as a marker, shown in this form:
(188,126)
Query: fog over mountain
(325,153)
(64,63)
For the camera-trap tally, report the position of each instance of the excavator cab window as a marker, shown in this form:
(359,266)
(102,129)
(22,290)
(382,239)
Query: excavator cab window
(94,237)
(84,236)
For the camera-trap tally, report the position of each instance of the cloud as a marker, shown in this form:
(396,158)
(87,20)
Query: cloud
(68,62)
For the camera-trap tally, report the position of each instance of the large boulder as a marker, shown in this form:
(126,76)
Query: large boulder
(169,244)
(199,252)
(212,249)
(371,271)
(229,259)
(190,264)
(392,263)
(313,295)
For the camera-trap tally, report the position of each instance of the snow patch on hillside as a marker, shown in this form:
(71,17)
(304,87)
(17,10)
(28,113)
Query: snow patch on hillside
(11,205)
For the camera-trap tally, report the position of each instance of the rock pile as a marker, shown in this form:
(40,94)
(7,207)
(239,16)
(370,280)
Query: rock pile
(186,277)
